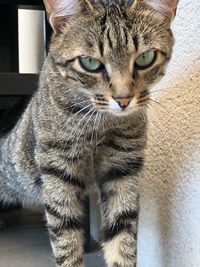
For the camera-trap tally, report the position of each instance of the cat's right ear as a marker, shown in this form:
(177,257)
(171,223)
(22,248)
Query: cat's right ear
(60,11)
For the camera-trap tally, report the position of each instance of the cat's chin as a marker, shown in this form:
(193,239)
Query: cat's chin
(122,113)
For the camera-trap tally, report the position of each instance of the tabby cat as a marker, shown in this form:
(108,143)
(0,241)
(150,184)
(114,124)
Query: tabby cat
(86,124)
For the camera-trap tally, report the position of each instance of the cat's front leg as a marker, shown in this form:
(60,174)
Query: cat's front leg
(64,205)
(119,205)
(118,189)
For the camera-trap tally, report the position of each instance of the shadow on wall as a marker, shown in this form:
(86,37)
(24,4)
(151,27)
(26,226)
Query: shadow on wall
(170,182)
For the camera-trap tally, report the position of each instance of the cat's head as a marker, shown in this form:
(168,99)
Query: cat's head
(110,51)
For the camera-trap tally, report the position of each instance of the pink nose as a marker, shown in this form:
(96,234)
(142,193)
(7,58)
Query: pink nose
(123,102)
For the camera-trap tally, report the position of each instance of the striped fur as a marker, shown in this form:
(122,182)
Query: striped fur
(74,134)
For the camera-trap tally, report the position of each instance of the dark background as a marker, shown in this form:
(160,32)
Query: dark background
(14,86)
(9,32)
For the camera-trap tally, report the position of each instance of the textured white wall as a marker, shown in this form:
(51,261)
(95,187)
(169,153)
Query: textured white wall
(169,227)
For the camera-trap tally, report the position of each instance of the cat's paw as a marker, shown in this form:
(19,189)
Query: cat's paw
(2,225)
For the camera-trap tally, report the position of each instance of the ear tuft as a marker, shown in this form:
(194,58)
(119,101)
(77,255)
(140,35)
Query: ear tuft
(166,7)
(59,11)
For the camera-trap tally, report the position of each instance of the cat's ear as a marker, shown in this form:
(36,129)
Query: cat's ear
(165,7)
(60,11)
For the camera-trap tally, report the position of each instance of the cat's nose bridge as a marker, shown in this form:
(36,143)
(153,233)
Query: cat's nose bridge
(123,85)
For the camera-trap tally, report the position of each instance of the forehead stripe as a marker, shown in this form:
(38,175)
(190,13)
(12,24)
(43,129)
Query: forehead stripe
(109,39)
(135,41)
(101,47)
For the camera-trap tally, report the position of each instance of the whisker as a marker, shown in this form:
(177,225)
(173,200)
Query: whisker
(164,108)
(157,102)
(66,123)
(98,126)
(78,124)
(155,91)
(82,130)
(93,130)
(142,100)
(101,103)
(77,104)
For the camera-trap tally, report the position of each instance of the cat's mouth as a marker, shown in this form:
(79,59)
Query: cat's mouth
(119,106)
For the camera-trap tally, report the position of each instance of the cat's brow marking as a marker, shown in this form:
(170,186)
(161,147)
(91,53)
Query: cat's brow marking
(136,42)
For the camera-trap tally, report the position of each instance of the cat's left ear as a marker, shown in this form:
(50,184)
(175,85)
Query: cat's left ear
(165,7)
(60,11)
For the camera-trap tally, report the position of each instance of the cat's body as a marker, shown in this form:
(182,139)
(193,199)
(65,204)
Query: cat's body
(87,128)
(20,159)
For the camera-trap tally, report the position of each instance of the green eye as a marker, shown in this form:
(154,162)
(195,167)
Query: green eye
(145,60)
(90,64)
